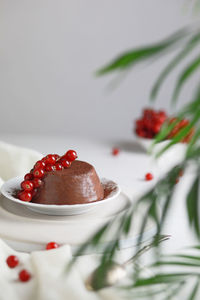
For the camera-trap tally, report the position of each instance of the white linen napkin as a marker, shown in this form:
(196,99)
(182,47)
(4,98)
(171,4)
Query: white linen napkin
(16,161)
(49,280)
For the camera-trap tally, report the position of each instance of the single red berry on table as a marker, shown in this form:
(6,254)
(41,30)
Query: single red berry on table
(25,196)
(58,166)
(149,176)
(28,176)
(115,151)
(71,155)
(50,159)
(27,185)
(37,182)
(38,173)
(65,163)
(51,245)
(12,261)
(24,275)
(40,165)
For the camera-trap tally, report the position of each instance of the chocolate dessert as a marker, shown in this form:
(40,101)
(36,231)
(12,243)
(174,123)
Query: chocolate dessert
(75,185)
(63,180)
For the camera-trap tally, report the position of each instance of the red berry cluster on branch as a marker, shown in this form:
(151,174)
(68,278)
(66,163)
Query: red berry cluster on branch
(179,126)
(33,180)
(150,123)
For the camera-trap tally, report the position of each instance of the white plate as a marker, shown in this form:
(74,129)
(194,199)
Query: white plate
(13,184)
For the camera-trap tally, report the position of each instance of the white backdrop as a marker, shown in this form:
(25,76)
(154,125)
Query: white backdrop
(49,50)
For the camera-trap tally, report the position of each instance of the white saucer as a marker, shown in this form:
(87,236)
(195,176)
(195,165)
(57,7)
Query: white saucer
(26,230)
(13,184)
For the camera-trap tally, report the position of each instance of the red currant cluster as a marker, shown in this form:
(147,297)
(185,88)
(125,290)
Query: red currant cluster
(150,123)
(24,275)
(51,162)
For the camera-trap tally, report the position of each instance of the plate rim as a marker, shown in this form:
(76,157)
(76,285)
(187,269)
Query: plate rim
(18,179)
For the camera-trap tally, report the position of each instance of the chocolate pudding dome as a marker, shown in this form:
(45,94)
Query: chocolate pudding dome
(75,185)
(61,181)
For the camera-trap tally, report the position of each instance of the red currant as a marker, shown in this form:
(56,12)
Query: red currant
(148,176)
(71,155)
(115,151)
(27,185)
(49,168)
(39,164)
(37,182)
(28,176)
(51,245)
(156,128)
(57,156)
(65,163)
(12,261)
(25,196)
(58,167)
(24,275)
(38,173)
(50,159)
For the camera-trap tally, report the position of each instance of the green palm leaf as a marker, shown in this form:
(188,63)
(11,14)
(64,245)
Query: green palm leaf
(136,55)
(192,206)
(194,258)
(176,263)
(185,75)
(175,61)
(163,278)
(194,291)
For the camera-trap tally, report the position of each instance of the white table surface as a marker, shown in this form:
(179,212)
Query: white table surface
(121,170)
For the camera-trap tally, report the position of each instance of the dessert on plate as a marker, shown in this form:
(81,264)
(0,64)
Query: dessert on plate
(63,180)
(151,121)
